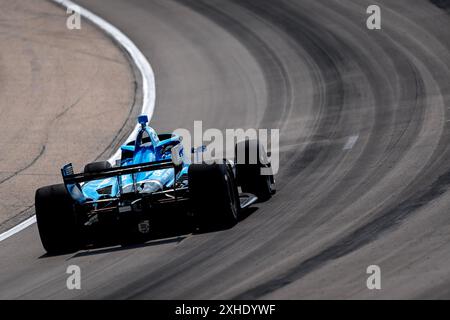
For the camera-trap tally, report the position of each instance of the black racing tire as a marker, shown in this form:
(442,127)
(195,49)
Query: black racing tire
(248,170)
(97,167)
(214,195)
(56,220)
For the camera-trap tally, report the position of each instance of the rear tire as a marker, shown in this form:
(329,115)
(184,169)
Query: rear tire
(56,220)
(214,195)
(248,170)
(95,167)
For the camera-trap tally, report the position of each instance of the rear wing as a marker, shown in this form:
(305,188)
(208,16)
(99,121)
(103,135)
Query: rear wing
(70,178)
(72,181)
(175,162)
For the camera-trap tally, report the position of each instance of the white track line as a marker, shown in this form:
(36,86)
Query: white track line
(17,228)
(148,83)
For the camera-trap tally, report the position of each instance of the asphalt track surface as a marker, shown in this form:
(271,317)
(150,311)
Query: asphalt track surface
(365,159)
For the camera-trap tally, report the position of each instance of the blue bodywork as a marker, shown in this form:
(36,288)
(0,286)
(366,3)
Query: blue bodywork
(147,148)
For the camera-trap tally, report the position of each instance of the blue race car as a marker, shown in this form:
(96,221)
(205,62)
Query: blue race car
(151,180)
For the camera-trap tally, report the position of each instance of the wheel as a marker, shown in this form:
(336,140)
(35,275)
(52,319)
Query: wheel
(97,166)
(56,220)
(248,169)
(214,195)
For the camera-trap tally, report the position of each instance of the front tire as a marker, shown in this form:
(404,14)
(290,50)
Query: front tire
(56,220)
(248,170)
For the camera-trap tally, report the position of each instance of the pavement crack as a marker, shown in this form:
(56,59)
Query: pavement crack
(33,161)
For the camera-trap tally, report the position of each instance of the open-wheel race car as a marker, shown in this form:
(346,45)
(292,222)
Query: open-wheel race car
(152,179)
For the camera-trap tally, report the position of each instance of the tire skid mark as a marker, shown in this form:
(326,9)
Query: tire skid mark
(386,221)
(33,161)
(354,241)
(280,94)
